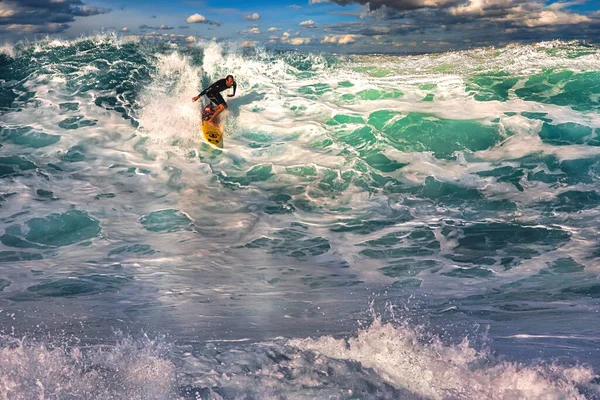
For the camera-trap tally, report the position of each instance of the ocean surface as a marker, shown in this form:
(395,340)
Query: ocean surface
(376,226)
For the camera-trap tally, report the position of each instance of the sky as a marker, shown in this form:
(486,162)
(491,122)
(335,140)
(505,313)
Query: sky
(339,26)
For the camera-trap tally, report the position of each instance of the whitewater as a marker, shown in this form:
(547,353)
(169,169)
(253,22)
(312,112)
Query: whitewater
(375,227)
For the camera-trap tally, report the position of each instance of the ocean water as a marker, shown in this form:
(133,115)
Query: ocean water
(376,226)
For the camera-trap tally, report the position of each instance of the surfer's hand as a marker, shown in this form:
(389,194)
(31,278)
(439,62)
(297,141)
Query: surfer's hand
(194,98)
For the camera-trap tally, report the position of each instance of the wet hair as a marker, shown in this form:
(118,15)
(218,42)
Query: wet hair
(230,76)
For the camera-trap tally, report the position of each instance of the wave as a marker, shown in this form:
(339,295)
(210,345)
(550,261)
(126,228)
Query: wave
(469,178)
(409,358)
(380,361)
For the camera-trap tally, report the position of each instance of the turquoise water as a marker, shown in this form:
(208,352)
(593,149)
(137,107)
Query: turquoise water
(419,227)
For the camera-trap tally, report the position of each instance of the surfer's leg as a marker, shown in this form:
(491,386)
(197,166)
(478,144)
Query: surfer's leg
(216,112)
(221,105)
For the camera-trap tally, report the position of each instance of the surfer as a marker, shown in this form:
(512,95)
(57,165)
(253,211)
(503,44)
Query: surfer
(213,93)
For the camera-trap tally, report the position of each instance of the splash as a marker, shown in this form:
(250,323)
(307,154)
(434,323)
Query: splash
(131,369)
(7,49)
(430,368)
(166,108)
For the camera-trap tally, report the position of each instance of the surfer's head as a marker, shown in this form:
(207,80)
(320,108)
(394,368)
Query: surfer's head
(229,80)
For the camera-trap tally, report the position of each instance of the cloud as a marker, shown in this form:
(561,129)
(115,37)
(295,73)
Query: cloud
(162,27)
(43,16)
(153,16)
(29,28)
(299,41)
(252,17)
(360,15)
(515,13)
(253,31)
(440,25)
(286,37)
(125,29)
(190,39)
(309,24)
(295,6)
(318,1)
(6,11)
(88,11)
(482,22)
(273,29)
(200,19)
(196,19)
(545,18)
(339,39)
(400,5)
(249,43)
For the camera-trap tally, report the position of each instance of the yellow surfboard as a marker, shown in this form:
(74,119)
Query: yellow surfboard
(213,134)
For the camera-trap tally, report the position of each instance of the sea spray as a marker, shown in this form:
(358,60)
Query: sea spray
(424,365)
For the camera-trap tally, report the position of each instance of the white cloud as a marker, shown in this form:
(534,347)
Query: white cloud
(295,41)
(196,18)
(273,29)
(125,29)
(286,37)
(318,1)
(339,39)
(530,14)
(252,17)
(479,7)
(299,41)
(249,43)
(548,17)
(6,11)
(29,28)
(190,39)
(254,31)
(309,23)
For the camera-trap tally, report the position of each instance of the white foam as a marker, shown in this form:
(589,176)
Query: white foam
(430,368)
(128,370)
(167,110)
(7,49)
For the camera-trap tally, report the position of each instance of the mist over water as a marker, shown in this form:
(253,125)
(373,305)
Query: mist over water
(418,227)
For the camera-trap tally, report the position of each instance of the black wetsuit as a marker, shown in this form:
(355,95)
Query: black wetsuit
(213,92)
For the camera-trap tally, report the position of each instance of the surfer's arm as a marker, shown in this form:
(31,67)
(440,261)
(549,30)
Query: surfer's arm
(202,93)
(199,95)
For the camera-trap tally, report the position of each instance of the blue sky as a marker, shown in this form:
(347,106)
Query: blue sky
(326,25)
